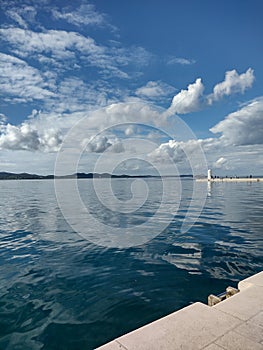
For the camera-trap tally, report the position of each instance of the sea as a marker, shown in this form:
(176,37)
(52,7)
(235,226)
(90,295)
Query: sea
(77,286)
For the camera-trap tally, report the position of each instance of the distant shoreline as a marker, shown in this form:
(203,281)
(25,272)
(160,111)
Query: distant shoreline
(26,176)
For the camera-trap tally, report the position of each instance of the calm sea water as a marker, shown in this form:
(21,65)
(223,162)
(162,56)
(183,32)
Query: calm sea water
(61,291)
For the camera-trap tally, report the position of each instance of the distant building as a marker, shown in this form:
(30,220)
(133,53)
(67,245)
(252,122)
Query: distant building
(209,174)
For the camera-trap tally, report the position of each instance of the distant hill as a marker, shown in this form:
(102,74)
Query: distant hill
(22,176)
(26,176)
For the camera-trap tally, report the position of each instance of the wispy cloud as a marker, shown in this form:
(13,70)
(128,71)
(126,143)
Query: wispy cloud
(58,44)
(53,46)
(21,15)
(21,82)
(180,60)
(3,119)
(85,15)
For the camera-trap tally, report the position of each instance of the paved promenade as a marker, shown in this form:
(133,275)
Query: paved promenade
(233,324)
(231,179)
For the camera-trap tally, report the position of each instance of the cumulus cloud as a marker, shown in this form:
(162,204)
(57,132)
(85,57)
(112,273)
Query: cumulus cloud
(179,151)
(155,89)
(233,83)
(243,127)
(240,131)
(223,158)
(191,99)
(129,112)
(27,137)
(238,144)
(100,143)
(187,101)
(21,82)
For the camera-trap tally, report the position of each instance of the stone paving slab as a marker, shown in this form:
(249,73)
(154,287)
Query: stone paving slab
(243,305)
(251,330)
(235,341)
(233,324)
(213,346)
(172,332)
(256,280)
(258,319)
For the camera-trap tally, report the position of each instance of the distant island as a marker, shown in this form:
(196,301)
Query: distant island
(26,176)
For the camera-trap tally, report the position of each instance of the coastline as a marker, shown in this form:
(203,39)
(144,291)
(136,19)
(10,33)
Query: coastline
(234,323)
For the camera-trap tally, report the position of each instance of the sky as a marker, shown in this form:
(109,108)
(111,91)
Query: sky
(131,86)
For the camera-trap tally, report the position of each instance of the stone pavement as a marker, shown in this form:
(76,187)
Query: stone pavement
(233,324)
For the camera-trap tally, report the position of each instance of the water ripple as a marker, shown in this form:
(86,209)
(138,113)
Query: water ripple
(59,291)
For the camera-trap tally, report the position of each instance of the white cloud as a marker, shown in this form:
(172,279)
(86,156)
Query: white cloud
(27,137)
(138,110)
(223,158)
(233,83)
(57,46)
(220,163)
(155,89)
(100,143)
(3,119)
(21,82)
(22,15)
(96,120)
(243,127)
(180,151)
(37,135)
(190,100)
(187,101)
(168,151)
(84,15)
(15,16)
(238,150)
(59,43)
(180,60)
(73,94)
(130,130)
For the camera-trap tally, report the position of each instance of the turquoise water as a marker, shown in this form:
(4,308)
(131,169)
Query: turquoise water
(61,291)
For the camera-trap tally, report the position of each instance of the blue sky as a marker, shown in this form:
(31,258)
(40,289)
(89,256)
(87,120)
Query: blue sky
(157,63)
